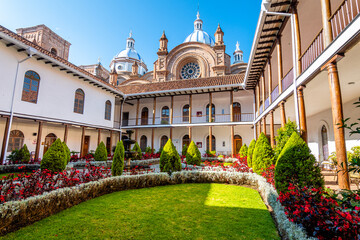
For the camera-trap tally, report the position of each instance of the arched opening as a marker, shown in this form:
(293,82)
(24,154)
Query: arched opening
(30,87)
(236,112)
(185,113)
(237,144)
(108,110)
(143,143)
(144,116)
(165,115)
(186,140)
(79,101)
(213,143)
(49,139)
(53,51)
(212,113)
(163,141)
(16,140)
(324,143)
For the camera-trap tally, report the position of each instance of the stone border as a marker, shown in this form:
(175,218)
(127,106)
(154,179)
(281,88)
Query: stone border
(17,214)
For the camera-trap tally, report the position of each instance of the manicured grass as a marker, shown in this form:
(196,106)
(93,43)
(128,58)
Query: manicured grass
(187,211)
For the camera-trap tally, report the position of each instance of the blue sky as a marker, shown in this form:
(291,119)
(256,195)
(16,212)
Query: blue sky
(100,28)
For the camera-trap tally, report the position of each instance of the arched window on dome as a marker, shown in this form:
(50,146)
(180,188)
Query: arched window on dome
(108,110)
(30,87)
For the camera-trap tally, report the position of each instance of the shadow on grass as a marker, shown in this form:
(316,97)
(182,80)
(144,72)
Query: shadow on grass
(187,211)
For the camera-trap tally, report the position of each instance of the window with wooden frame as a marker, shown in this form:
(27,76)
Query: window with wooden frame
(16,140)
(79,101)
(30,87)
(108,110)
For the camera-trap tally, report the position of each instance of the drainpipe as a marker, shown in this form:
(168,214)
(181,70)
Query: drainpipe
(30,51)
(265,5)
(121,115)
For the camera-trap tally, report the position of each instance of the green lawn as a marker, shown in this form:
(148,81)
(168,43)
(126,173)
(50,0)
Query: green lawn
(187,211)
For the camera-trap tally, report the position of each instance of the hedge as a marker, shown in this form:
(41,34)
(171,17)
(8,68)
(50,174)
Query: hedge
(251,152)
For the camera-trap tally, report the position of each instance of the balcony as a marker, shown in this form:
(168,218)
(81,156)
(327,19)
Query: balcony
(184,120)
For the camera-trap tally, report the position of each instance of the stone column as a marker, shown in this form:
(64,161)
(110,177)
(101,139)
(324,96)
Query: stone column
(6,130)
(272,130)
(336,102)
(38,141)
(302,113)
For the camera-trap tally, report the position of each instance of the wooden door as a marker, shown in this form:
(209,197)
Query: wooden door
(144,116)
(237,144)
(49,139)
(86,145)
(237,112)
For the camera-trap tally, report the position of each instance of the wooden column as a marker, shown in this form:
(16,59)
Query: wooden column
(279,63)
(210,107)
(82,141)
(171,133)
(258,97)
(231,106)
(190,133)
(264,125)
(6,130)
(297,39)
(302,113)
(190,109)
(66,130)
(38,141)
(282,113)
(336,102)
(232,141)
(262,79)
(272,130)
(99,137)
(269,80)
(111,141)
(152,139)
(258,128)
(210,138)
(171,109)
(137,111)
(154,110)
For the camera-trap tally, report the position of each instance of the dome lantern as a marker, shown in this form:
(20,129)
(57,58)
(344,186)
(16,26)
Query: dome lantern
(238,54)
(199,35)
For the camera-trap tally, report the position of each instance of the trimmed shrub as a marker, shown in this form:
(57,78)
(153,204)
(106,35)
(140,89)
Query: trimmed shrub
(148,150)
(297,165)
(67,152)
(169,159)
(137,149)
(193,155)
(117,166)
(55,158)
(243,151)
(184,150)
(24,154)
(251,152)
(101,152)
(263,156)
(283,135)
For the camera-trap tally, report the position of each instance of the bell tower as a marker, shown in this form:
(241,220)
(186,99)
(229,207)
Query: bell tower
(219,48)
(161,72)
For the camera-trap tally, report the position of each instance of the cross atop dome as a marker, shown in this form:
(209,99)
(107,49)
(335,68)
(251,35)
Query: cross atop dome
(130,42)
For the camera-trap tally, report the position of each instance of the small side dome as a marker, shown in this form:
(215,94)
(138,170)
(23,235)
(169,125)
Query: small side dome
(199,35)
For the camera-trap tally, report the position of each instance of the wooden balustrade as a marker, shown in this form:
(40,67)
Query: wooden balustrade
(344,15)
(313,51)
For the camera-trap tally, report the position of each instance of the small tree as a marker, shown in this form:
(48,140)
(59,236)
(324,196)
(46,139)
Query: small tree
(101,152)
(24,154)
(169,159)
(297,165)
(55,158)
(193,155)
(283,135)
(67,152)
(184,150)
(137,149)
(251,152)
(117,166)
(263,156)
(243,151)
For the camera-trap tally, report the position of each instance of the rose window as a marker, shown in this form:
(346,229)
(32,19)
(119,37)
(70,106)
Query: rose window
(190,71)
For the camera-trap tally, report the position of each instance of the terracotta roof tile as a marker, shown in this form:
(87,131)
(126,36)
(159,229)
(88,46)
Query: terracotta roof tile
(183,84)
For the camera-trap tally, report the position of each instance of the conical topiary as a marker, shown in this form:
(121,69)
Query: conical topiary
(24,154)
(193,155)
(243,151)
(137,149)
(101,152)
(263,156)
(169,159)
(67,152)
(250,152)
(297,165)
(184,150)
(117,166)
(55,158)
(283,135)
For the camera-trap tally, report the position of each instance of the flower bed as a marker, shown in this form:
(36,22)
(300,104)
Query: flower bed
(21,213)
(19,168)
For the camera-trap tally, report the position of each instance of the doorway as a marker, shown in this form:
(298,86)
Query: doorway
(237,144)
(49,139)
(144,116)
(86,145)
(125,121)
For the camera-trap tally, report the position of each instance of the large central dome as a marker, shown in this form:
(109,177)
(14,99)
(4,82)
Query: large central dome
(199,35)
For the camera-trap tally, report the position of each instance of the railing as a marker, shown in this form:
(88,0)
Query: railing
(313,51)
(267,103)
(218,118)
(275,93)
(344,15)
(287,80)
